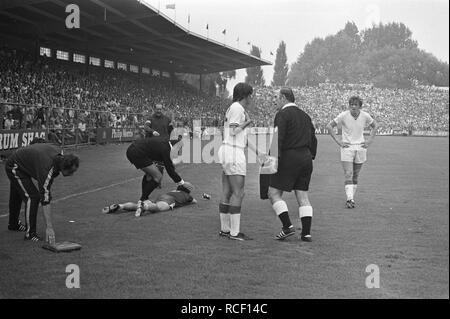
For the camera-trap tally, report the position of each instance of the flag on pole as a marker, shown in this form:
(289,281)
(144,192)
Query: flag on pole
(207,27)
(189,18)
(224,31)
(170,6)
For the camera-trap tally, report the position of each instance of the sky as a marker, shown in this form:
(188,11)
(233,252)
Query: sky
(265,23)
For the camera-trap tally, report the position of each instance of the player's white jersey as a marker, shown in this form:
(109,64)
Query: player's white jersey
(234,115)
(353,129)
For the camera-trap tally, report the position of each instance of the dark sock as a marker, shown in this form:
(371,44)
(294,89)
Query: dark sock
(306,225)
(147,188)
(284,217)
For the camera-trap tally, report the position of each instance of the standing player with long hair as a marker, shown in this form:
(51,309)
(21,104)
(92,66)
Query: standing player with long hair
(232,157)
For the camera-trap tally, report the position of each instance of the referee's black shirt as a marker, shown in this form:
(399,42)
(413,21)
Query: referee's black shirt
(295,130)
(158,149)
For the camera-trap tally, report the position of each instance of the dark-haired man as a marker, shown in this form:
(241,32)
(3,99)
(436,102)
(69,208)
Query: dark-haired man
(151,155)
(353,145)
(42,162)
(234,164)
(297,147)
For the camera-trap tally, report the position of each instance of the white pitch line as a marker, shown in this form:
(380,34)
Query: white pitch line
(96,189)
(3,215)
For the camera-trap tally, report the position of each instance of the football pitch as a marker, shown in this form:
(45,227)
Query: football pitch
(400,224)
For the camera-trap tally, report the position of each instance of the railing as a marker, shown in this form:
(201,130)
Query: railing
(68,127)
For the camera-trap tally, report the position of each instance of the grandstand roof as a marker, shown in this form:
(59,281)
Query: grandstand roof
(126,30)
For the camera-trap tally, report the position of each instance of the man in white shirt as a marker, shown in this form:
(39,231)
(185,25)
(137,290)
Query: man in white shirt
(353,145)
(234,164)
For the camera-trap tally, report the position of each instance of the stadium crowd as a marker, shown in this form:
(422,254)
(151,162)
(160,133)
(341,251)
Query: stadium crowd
(394,109)
(62,95)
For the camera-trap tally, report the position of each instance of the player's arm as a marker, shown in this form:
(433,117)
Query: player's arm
(373,131)
(236,128)
(49,232)
(45,181)
(255,149)
(149,130)
(281,122)
(313,145)
(333,134)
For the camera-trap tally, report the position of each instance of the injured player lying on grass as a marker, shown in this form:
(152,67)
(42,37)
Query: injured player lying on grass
(177,198)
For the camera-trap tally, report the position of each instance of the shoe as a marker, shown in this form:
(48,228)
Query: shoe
(139,210)
(32,237)
(306,238)
(18,227)
(240,236)
(350,203)
(224,233)
(285,233)
(110,209)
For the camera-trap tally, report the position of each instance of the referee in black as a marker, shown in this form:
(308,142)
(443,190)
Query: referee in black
(41,162)
(148,154)
(297,146)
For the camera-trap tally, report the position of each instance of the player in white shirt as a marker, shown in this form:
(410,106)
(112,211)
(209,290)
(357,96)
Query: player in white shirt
(353,145)
(232,157)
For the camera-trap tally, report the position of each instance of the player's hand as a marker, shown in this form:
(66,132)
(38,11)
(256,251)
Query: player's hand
(366,144)
(344,145)
(50,236)
(155,133)
(188,186)
(262,158)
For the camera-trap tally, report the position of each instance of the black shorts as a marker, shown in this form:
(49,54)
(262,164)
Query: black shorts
(138,158)
(294,171)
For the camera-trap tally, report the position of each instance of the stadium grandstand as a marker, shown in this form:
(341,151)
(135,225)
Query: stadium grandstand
(109,72)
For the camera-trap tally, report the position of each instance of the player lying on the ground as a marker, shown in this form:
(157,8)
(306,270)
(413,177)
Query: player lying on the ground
(164,202)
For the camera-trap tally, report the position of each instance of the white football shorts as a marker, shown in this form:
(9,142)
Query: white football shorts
(354,153)
(232,159)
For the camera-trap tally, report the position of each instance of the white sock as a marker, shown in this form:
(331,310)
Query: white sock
(235,220)
(349,191)
(305,211)
(280,207)
(355,186)
(225,223)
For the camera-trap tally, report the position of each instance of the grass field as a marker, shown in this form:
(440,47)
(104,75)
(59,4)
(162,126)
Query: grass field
(401,224)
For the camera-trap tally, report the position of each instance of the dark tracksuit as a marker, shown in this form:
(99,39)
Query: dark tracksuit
(36,161)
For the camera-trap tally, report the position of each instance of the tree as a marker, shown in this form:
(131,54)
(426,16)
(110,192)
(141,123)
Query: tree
(255,75)
(384,55)
(395,35)
(281,68)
